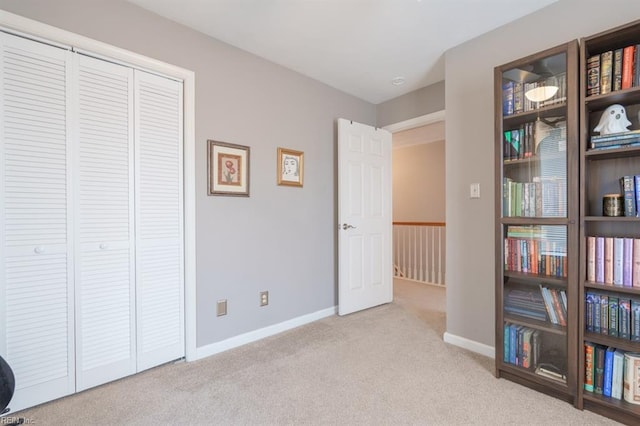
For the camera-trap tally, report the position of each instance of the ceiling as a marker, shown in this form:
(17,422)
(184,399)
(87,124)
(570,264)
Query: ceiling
(356,46)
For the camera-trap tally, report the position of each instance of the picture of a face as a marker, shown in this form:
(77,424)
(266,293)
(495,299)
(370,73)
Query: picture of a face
(290,166)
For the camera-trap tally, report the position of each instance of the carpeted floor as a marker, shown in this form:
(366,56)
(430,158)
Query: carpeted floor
(383,366)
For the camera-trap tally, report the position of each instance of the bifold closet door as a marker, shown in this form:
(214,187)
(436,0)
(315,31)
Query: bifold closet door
(104,225)
(36,295)
(159,220)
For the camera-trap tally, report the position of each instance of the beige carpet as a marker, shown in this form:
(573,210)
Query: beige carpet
(384,366)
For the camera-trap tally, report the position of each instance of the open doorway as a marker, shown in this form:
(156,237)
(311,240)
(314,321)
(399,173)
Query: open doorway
(419,217)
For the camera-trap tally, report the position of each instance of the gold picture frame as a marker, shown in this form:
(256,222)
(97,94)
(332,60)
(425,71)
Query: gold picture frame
(228,169)
(290,167)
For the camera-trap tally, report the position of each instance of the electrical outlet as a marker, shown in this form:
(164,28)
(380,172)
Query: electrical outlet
(221,307)
(264,298)
(474,190)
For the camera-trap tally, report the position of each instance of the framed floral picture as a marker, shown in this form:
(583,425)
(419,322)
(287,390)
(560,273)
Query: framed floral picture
(228,166)
(290,167)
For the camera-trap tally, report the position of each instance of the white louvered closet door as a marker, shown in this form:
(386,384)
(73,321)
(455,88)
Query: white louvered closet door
(105,280)
(159,220)
(36,297)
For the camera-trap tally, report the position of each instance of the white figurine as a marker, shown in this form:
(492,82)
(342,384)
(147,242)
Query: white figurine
(613,120)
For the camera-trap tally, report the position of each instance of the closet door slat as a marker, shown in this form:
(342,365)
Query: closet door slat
(105,285)
(159,218)
(36,299)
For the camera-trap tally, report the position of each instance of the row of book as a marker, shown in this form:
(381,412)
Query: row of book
(612,372)
(534,256)
(543,197)
(522,347)
(547,135)
(543,304)
(612,315)
(613,70)
(615,140)
(514,100)
(613,261)
(630,190)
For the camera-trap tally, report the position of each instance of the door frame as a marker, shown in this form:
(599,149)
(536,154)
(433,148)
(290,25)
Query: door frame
(48,34)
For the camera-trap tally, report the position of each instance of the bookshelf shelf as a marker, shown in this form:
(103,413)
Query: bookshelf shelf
(600,173)
(536,221)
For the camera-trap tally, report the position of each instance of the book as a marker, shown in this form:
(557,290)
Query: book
(628,63)
(591,259)
(527,348)
(604,314)
(636,185)
(618,258)
(636,63)
(507,97)
(608,371)
(551,372)
(548,303)
(616,79)
(597,313)
(608,260)
(627,262)
(635,270)
(627,187)
(598,377)
(589,303)
(518,97)
(600,261)
(606,72)
(506,337)
(631,392)
(613,316)
(624,318)
(617,375)
(588,366)
(635,320)
(593,75)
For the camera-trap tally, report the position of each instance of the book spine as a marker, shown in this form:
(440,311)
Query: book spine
(608,372)
(598,378)
(628,59)
(635,320)
(518,97)
(631,392)
(591,259)
(507,98)
(593,75)
(608,260)
(616,80)
(635,271)
(588,366)
(589,301)
(557,307)
(604,314)
(628,190)
(627,262)
(606,72)
(636,186)
(597,313)
(624,318)
(548,303)
(636,63)
(617,378)
(600,261)
(506,337)
(618,258)
(613,316)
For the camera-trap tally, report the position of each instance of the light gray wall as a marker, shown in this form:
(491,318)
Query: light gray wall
(411,105)
(418,183)
(281,239)
(469,147)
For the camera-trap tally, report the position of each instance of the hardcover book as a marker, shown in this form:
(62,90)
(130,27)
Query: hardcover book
(628,190)
(616,83)
(606,72)
(608,371)
(618,258)
(600,261)
(591,259)
(598,377)
(627,263)
(588,366)
(608,260)
(613,316)
(617,376)
(593,75)
(628,63)
(635,271)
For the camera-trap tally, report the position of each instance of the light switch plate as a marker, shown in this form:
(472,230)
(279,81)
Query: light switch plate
(474,190)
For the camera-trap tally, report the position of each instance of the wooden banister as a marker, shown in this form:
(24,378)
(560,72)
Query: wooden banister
(421,223)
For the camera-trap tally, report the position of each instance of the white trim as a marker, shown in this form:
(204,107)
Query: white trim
(412,123)
(43,31)
(471,345)
(252,336)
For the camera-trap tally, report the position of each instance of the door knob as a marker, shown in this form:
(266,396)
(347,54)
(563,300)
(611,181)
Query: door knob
(347,226)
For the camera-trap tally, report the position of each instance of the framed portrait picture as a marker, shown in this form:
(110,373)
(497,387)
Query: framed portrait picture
(290,167)
(228,167)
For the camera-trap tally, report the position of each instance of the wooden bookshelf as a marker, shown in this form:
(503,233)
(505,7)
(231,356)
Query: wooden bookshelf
(600,170)
(536,239)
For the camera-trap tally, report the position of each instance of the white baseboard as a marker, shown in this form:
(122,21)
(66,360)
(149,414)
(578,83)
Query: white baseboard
(252,336)
(471,345)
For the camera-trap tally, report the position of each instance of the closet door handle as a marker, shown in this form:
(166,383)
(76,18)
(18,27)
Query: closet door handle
(104,246)
(39,250)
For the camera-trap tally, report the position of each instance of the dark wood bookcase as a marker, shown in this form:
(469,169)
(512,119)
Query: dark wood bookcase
(600,171)
(536,210)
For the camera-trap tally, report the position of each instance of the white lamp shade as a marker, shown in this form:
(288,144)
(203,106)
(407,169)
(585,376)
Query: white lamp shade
(541,93)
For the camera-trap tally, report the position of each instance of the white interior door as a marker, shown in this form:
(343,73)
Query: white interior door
(159,220)
(364,217)
(105,280)
(36,274)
